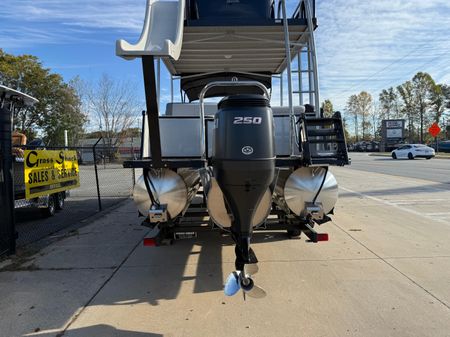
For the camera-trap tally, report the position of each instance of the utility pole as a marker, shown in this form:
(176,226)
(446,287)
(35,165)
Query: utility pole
(66,139)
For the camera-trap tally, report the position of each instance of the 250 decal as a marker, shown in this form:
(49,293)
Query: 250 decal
(247,120)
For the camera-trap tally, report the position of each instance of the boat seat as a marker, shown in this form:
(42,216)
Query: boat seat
(189,109)
(193,109)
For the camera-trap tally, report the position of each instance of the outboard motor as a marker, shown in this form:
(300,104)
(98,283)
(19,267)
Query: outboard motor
(244,163)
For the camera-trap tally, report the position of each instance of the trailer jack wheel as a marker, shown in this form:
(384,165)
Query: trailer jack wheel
(294,233)
(50,210)
(59,200)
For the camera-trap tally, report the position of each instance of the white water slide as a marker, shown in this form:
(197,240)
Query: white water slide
(162,34)
(188,49)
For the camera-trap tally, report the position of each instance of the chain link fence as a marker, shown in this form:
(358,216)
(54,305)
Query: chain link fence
(103,184)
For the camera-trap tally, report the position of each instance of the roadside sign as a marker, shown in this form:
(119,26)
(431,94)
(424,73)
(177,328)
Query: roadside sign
(434,130)
(48,172)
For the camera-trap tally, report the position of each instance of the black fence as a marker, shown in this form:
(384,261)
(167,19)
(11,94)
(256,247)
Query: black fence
(103,184)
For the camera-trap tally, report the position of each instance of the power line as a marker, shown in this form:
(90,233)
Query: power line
(415,50)
(420,68)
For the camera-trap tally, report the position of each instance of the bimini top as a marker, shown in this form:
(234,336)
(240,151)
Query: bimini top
(12,95)
(207,36)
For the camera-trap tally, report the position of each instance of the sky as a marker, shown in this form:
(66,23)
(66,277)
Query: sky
(361,44)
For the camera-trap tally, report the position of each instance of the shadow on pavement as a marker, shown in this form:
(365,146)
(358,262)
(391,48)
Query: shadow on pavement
(101,330)
(32,225)
(155,274)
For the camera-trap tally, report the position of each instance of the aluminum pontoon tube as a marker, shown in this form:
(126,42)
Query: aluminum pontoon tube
(294,189)
(176,190)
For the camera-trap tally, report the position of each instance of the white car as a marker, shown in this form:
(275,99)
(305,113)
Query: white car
(412,151)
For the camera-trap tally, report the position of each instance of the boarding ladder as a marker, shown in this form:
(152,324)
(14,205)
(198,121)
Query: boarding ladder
(321,141)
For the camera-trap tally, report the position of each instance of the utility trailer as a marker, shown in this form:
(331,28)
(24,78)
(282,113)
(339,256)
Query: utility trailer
(49,204)
(243,164)
(43,192)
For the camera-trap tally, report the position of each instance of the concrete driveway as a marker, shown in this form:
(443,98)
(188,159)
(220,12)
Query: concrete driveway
(385,272)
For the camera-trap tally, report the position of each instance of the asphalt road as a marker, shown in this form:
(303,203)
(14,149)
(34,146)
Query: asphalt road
(436,170)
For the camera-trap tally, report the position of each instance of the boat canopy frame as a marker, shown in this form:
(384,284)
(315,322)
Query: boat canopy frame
(301,49)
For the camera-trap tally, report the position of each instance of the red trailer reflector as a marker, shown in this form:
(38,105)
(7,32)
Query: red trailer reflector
(322,237)
(149,242)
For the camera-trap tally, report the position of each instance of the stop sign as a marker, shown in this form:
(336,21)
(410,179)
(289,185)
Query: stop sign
(434,129)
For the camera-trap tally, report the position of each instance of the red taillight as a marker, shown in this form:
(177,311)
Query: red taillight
(149,242)
(322,236)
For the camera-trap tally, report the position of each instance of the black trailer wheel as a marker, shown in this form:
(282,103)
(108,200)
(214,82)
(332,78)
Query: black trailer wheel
(410,156)
(60,200)
(294,233)
(50,210)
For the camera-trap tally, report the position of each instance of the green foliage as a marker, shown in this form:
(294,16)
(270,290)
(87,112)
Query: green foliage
(59,107)
(389,103)
(360,107)
(421,101)
(327,107)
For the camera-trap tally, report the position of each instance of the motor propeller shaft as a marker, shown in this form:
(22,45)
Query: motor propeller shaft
(238,280)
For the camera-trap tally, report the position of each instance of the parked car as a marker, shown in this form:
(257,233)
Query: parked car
(360,147)
(443,146)
(365,146)
(373,146)
(412,151)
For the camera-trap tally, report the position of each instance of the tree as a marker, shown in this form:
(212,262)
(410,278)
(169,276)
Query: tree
(375,119)
(58,108)
(361,105)
(438,102)
(348,137)
(365,107)
(389,103)
(115,107)
(327,107)
(406,92)
(423,86)
(352,109)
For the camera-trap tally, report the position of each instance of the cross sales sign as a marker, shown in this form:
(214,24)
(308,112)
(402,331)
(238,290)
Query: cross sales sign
(49,171)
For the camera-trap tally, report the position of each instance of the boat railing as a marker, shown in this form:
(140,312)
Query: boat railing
(300,9)
(202,96)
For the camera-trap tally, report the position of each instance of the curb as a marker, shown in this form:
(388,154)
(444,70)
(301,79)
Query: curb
(388,155)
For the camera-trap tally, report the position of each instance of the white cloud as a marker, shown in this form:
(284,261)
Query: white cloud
(362,44)
(371,45)
(114,14)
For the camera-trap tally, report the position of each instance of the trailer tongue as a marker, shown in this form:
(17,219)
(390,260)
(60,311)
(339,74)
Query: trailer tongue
(243,165)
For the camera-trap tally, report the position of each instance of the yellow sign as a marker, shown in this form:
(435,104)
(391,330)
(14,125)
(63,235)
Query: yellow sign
(48,172)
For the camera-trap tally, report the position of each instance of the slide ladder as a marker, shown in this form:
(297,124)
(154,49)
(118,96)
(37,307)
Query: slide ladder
(162,35)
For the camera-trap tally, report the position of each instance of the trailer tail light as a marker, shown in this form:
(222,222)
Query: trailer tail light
(149,242)
(322,237)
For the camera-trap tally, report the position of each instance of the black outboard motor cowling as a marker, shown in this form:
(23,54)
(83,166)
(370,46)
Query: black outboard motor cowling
(244,162)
